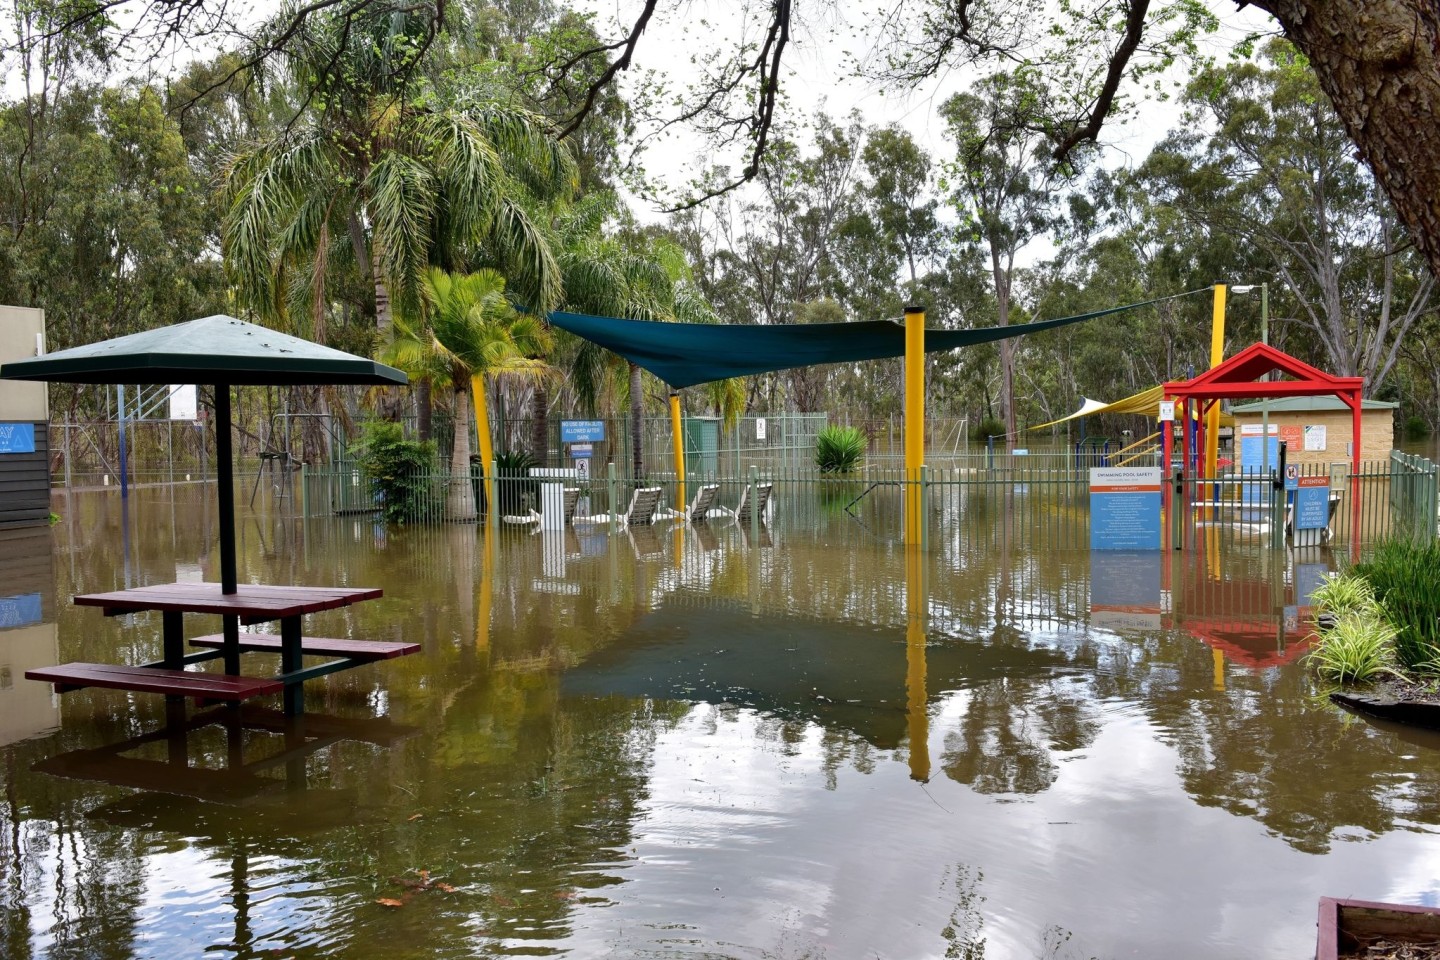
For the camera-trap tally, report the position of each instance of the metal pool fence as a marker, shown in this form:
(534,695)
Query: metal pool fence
(1036,503)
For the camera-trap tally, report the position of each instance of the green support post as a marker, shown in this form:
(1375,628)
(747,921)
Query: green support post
(754,514)
(924,507)
(614,491)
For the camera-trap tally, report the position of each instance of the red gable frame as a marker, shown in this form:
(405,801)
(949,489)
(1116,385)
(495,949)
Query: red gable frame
(1237,378)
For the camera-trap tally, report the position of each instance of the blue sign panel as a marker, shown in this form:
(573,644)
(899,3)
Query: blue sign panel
(1125,508)
(582,431)
(582,450)
(1312,503)
(17,438)
(19,611)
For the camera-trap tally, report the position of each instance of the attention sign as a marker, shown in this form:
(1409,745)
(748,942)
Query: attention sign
(1125,508)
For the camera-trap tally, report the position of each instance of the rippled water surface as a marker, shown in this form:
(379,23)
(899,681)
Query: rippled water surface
(779,743)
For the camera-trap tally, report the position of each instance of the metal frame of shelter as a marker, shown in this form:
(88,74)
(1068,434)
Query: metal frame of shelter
(1239,378)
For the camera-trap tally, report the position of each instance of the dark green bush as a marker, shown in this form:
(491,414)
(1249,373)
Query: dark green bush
(988,427)
(1405,576)
(514,489)
(401,472)
(839,449)
(1416,428)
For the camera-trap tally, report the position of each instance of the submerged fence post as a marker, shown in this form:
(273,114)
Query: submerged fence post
(924,507)
(304,491)
(754,513)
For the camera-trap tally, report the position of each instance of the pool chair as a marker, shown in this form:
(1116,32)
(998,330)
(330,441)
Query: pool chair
(741,513)
(699,508)
(643,505)
(572,498)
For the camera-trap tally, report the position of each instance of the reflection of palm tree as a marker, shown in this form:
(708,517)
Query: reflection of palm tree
(472,332)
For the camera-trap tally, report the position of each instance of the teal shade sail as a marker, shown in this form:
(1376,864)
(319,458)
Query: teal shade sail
(684,354)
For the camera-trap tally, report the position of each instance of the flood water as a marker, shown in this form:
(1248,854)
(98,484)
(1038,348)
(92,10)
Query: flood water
(699,743)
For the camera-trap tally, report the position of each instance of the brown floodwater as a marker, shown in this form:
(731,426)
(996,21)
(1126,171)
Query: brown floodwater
(783,743)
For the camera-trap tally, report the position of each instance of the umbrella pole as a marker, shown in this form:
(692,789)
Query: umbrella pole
(225,474)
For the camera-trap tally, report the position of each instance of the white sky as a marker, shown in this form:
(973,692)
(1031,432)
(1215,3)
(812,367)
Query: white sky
(819,74)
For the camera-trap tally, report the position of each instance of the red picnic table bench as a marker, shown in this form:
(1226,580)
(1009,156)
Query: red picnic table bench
(249,604)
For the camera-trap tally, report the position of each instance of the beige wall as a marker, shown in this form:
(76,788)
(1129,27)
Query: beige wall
(1377,433)
(20,400)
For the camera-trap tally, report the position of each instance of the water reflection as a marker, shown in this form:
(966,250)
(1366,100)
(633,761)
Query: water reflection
(677,742)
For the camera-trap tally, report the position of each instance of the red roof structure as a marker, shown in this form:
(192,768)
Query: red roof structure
(1239,378)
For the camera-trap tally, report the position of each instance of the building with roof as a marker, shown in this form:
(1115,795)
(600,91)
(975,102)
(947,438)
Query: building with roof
(1316,430)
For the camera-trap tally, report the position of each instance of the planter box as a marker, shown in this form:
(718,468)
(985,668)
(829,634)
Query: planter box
(1345,923)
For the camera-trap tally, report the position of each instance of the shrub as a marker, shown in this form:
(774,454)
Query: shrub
(839,449)
(1416,428)
(1340,594)
(513,484)
(988,427)
(1357,649)
(1404,575)
(401,472)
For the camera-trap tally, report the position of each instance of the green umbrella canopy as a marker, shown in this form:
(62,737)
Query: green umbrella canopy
(218,350)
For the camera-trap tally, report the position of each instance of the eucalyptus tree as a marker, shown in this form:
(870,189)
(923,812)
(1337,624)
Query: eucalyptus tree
(1278,172)
(469,331)
(1002,185)
(392,170)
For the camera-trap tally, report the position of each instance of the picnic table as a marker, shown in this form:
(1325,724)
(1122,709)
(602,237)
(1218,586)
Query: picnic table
(249,604)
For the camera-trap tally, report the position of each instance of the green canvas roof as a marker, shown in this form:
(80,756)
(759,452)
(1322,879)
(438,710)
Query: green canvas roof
(684,354)
(1309,405)
(218,350)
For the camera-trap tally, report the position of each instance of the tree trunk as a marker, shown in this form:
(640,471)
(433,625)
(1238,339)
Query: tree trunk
(540,423)
(460,495)
(382,293)
(424,409)
(636,422)
(1379,63)
(1007,346)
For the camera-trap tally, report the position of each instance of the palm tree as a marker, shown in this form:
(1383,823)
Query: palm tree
(472,332)
(611,277)
(391,174)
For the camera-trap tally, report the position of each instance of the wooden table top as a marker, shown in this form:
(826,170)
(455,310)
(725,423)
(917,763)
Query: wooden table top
(251,601)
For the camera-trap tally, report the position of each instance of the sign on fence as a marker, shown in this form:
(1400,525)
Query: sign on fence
(1312,503)
(582,431)
(1124,508)
(184,404)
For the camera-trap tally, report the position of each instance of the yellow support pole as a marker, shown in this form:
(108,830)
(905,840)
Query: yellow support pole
(678,442)
(914,421)
(483,441)
(1217,357)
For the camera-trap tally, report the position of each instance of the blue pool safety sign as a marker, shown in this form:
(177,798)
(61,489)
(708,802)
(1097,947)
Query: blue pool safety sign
(17,438)
(582,431)
(582,450)
(1312,503)
(1124,508)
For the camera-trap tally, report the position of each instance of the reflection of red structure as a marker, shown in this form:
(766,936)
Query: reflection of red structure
(1242,618)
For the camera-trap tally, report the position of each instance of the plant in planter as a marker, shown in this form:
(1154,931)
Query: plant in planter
(839,449)
(1359,648)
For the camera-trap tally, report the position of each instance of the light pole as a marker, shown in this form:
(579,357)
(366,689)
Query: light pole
(1264,289)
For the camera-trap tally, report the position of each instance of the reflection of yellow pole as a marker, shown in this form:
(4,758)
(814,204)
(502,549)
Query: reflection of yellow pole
(1219,659)
(916,702)
(679,444)
(1217,356)
(914,420)
(487,589)
(678,535)
(483,441)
